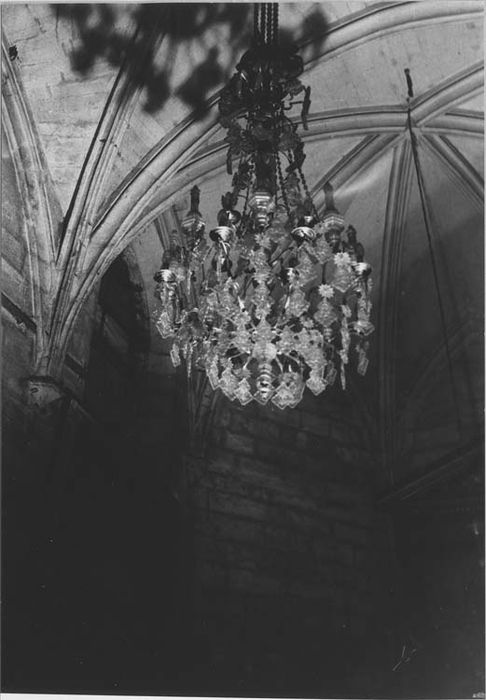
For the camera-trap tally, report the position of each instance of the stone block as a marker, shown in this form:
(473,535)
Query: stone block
(251,482)
(242,444)
(241,507)
(285,564)
(337,513)
(239,487)
(344,453)
(342,433)
(285,537)
(303,519)
(17,355)
(212,574)
(316,424)
(348,533)
(260,470)
(321,445)
(344,554)
(269,430)
(199,500)
(268,414)
(14,250)
(256,426)
(254,582)
(282,456)
(311,590)
(290,437)
(344,493)
(209,548)
(240,422)
(321,467)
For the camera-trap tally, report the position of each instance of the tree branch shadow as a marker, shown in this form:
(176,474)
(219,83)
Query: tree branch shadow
(100,36)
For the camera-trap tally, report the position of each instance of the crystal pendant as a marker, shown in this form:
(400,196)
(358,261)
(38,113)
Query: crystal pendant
(228,383)
(290,390)
(283,397)
(322,250)
(242,339)
(363,326)
(331,374)
(243,392)
(175,355)
(363,361)
(316,383)
(297,303)
(213,375)
(164,325)
(363,365)
(362,269)
(325,314)
(342,277)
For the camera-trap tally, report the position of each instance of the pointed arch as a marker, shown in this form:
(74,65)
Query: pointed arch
(41,211)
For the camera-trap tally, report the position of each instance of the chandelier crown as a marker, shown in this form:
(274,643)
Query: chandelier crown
(273,299)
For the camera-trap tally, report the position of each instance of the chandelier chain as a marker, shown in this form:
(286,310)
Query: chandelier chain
(275,23)
(247,197)
(307,191)
(282,185)
(263,22)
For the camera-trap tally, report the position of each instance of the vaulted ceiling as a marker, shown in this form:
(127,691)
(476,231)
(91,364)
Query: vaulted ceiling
(123,152)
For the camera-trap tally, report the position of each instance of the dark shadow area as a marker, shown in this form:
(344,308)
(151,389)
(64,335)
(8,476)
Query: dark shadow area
(187,25)
(95,547)
(439,534)
(113,584)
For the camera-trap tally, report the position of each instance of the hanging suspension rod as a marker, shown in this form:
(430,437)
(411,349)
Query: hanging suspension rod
(265,23)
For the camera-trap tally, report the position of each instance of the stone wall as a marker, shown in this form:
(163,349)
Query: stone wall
(290,584)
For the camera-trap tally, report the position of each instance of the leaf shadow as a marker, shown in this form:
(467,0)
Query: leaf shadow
(101,34)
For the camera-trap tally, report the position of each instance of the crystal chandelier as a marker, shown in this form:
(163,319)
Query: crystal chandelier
(276,297)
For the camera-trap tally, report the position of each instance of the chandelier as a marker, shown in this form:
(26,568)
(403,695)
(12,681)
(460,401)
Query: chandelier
(276,298)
